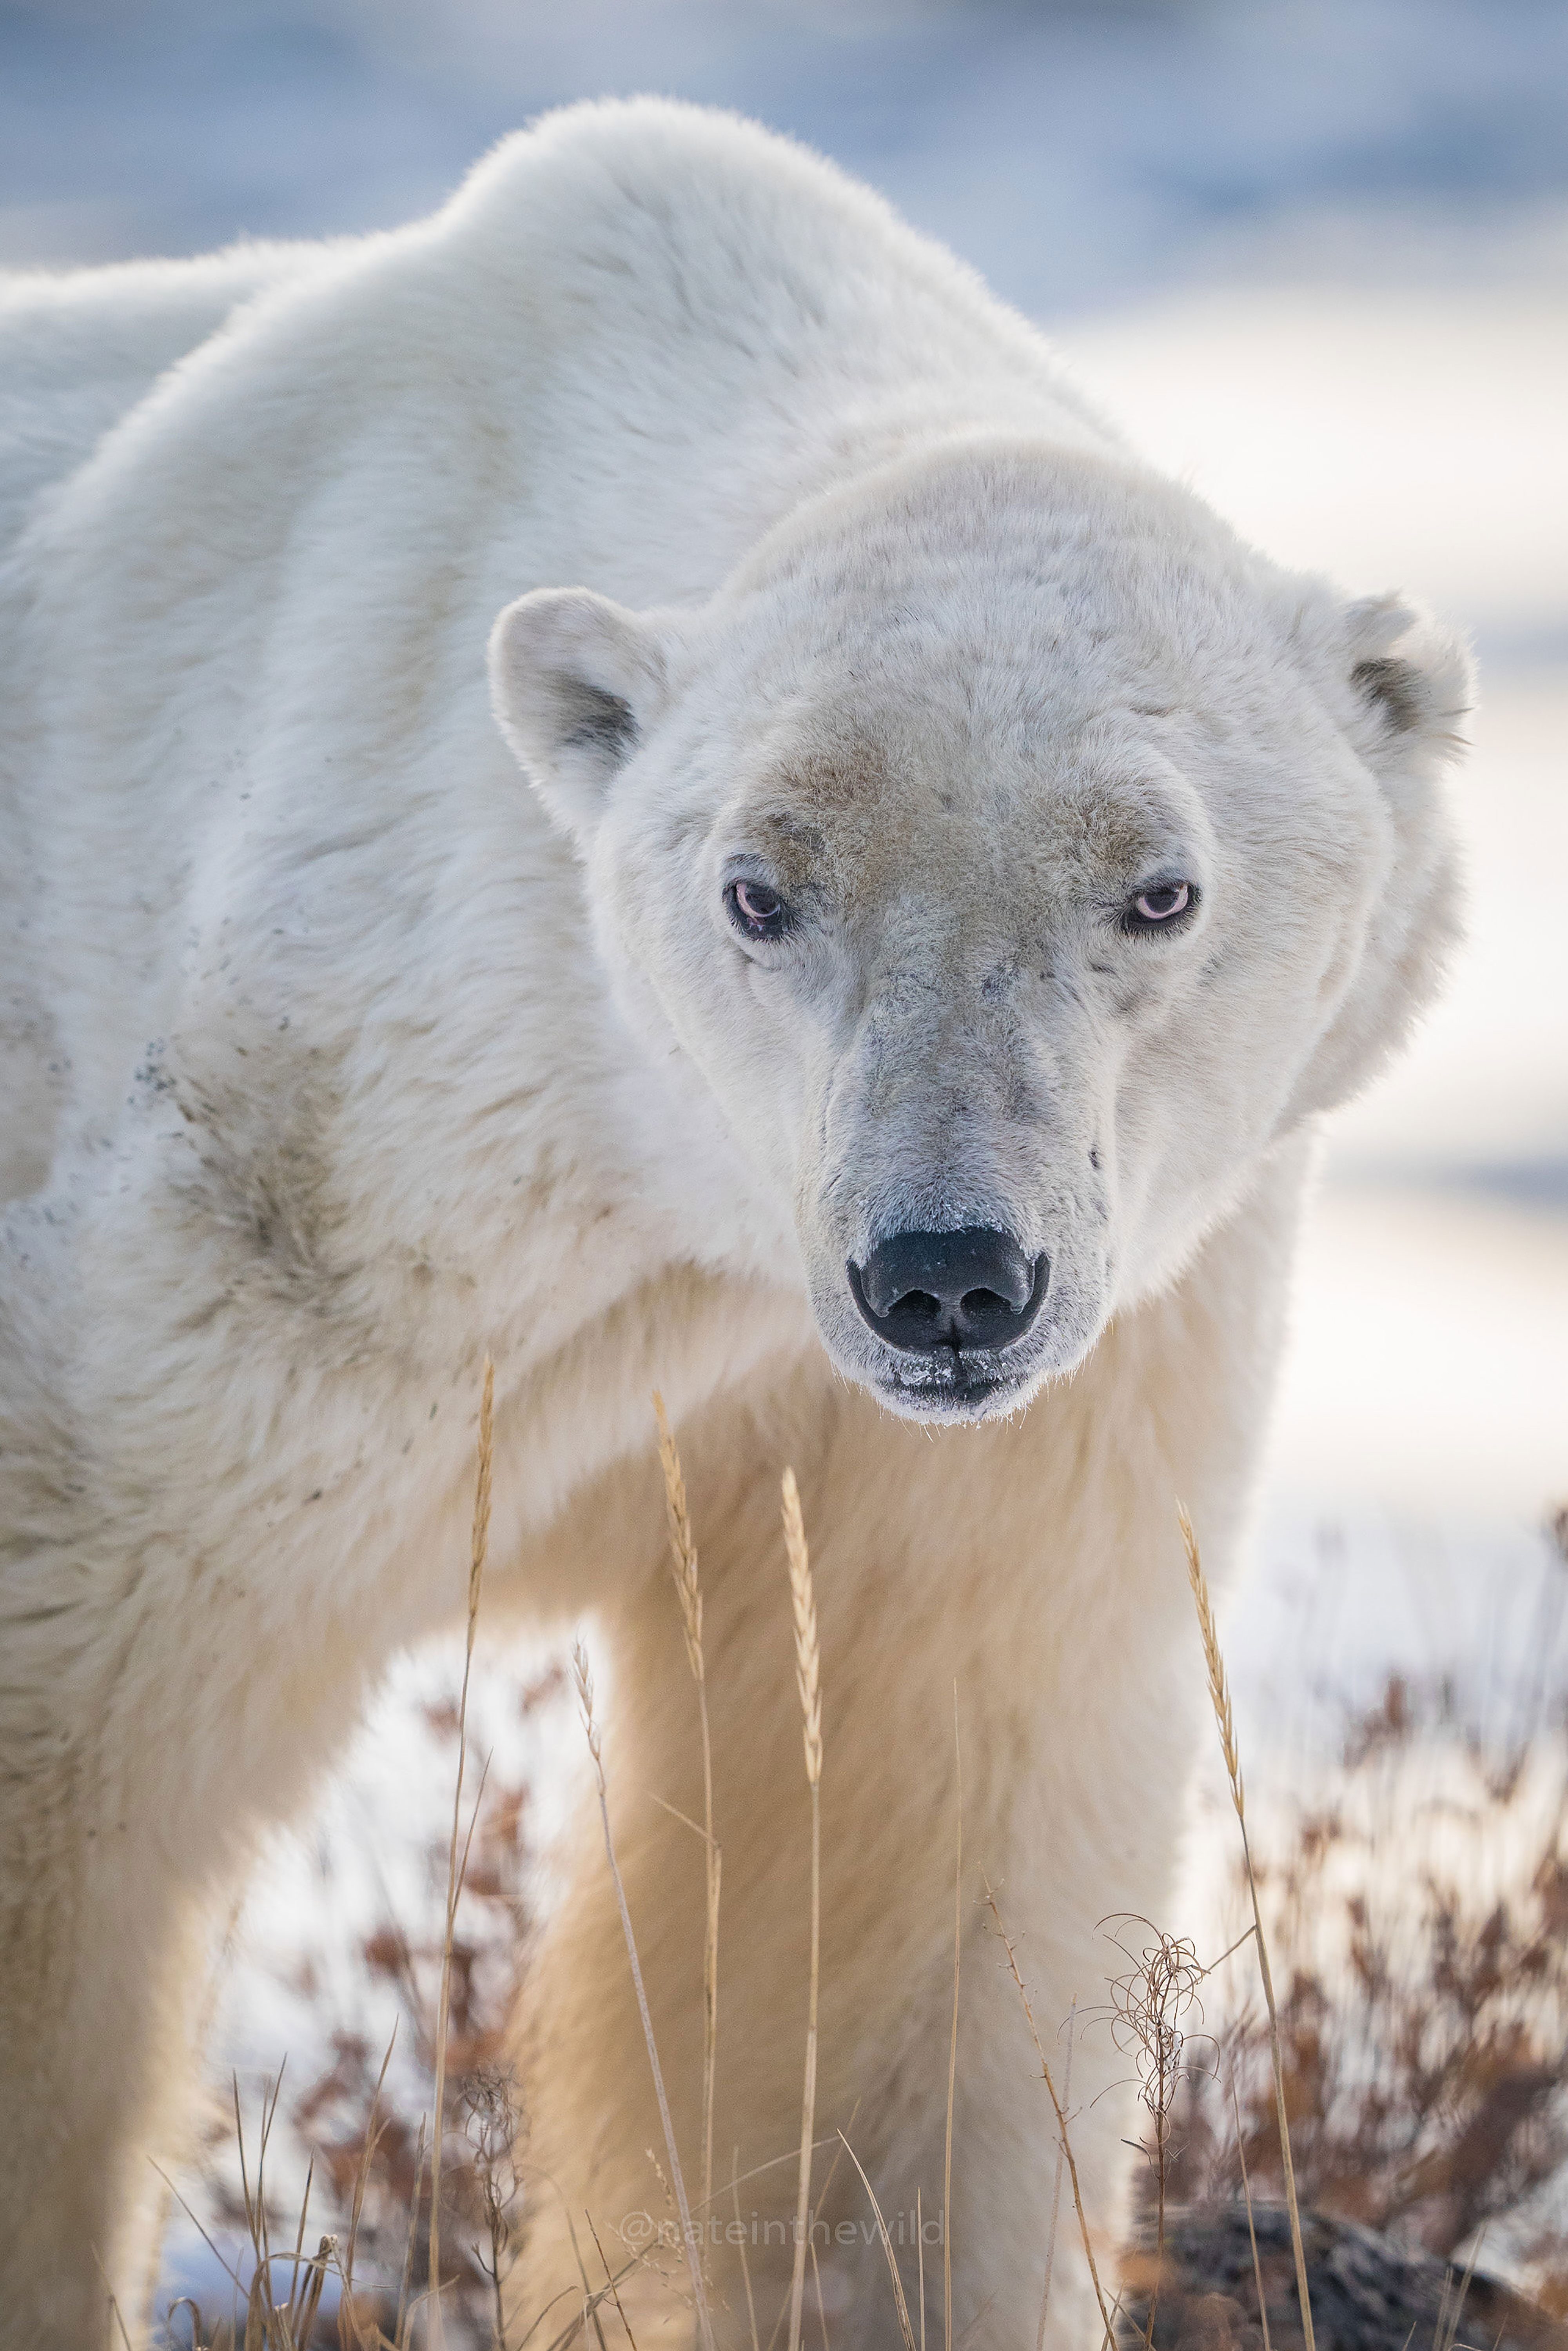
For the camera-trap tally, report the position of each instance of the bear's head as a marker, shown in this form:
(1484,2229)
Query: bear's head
(1017,858)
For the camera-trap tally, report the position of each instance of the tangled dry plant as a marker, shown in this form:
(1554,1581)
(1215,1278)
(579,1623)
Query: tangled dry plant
(491,2128)
(1150,2004)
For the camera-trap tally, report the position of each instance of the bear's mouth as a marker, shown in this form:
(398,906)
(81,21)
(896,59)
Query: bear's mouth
(962,1393)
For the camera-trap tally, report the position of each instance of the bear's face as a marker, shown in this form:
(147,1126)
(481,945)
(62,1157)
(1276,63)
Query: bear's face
(1017,859)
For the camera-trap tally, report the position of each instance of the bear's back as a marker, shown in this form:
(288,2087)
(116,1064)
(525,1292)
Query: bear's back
(256,612)
(78,349)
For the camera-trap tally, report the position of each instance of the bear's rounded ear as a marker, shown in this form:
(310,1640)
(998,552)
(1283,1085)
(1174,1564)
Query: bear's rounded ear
(1412,686)
(1401,685)
(574,681)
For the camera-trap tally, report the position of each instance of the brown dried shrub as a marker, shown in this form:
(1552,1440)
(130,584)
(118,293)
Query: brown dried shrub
(1417,1908)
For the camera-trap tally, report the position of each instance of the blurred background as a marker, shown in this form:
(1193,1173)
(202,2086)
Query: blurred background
(1316,259)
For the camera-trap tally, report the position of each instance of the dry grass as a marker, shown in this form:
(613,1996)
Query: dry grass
(1465,2117)
(900,2304)
(584,1682)
(1060,2166)
(1219,1699)
(457,1869)
(1064,2137)
(808,1682)
(688,1590)
(952,2046)
(1251,2223)
(1420,1901)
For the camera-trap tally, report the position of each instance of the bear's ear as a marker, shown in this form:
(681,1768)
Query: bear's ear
(574,681)
(1401,685)
(1411,685)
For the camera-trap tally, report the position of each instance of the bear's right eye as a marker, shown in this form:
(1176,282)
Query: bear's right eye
(756,910)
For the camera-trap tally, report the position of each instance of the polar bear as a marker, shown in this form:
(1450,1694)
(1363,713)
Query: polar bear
(953,874)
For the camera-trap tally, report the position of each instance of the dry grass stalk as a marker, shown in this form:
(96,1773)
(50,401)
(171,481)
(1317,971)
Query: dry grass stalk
(610,2286)
(952,2044)
(808,1655)
(405,2315)
(683,1567)
(808,1681)
(480,1543)
(263,2323)
(255,2207)
(822,2305)
(609,2292)
(584,1683)
(745,2264)
(1066,2142)
(1056,2184)
(349,2332)
(207,2016)
(590,2300)
(920,2261)
(195,2219)
(316,2282)
(904,2327)
(1219,1699)
(299,2231)
(1448,2334)
(835,2142)
(268,2326)
(112,2305)
(1251,2223)
(492,2130)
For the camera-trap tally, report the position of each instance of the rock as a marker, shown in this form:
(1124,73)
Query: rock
(1368,2294)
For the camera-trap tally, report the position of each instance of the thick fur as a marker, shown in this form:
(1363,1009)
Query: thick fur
(336,1056)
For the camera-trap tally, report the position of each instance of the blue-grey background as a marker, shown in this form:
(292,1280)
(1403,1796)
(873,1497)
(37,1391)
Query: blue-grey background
(1074,153)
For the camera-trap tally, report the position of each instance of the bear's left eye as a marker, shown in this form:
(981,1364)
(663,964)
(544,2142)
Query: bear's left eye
(1162,902)
(756,910)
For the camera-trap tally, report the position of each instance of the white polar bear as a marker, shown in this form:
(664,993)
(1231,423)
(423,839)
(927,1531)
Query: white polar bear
(956,875)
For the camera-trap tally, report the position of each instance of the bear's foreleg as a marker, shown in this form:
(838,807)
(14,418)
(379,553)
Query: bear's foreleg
(99,1986)
(1006,1603)
(931,1648)
(183,1637)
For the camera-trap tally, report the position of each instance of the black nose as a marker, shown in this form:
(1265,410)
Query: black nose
(922,1291)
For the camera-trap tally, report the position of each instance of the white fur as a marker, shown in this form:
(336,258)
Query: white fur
(337,1057)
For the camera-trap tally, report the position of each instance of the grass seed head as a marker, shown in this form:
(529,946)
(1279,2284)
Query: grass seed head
(583,1682)
(808,1655)
(1218,1688)
(682,1544)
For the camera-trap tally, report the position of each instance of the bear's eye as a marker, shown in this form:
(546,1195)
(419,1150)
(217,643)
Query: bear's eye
(1162,902)
(756,910)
